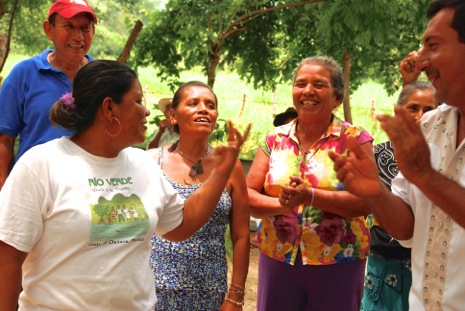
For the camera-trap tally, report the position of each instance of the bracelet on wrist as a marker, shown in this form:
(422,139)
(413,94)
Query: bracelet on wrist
(237,303)
(240,291)
(313,196)
(236,286)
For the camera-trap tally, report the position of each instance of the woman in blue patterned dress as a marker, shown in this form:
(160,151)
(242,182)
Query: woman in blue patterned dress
(192,275)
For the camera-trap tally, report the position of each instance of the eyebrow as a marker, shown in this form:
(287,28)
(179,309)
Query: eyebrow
(430,37)
(318,80)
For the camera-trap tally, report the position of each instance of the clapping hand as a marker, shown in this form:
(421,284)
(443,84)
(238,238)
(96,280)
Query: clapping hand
(295,194)
(357,171)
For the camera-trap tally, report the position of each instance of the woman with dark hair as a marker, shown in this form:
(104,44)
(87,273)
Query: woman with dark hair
(57,205)
(313,238)
(192,274)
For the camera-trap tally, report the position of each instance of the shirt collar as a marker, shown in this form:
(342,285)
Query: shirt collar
(334,128)
(43,64)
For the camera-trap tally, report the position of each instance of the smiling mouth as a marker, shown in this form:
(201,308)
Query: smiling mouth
(76,47)
(308,103)
(202,120)
(432,75)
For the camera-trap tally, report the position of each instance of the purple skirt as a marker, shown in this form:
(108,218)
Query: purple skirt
(308,287)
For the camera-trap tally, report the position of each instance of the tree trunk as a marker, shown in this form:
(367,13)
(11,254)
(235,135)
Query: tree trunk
(123,58)
(214,60)
(5,38)
(3,8)
(346,70)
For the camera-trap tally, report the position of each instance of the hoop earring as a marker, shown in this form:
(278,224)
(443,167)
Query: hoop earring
(119,127)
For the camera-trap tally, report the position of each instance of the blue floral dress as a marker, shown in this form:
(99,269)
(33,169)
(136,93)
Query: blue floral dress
(192,275)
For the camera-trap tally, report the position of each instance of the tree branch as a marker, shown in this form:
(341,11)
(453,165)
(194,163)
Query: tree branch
(232,33)
(252,15)
(8,36)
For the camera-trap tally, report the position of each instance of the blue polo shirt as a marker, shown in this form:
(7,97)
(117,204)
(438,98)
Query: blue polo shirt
(27,95)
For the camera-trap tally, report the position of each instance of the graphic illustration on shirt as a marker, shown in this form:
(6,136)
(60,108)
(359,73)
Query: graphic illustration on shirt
(120,218)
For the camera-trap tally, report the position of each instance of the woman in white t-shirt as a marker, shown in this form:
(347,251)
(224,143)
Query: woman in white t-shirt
(56,239)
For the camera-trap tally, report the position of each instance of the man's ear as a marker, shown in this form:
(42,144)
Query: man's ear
(47,29)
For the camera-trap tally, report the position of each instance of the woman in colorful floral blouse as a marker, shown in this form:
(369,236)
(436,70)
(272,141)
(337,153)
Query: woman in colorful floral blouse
(313,238)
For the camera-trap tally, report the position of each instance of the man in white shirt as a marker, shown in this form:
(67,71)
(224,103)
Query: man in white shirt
(426,209)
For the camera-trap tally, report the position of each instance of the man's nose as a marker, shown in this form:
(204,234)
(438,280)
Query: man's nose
(422,61)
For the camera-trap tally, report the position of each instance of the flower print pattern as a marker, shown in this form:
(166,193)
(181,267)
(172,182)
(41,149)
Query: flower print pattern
(341,257)
(330,231)
(284,231)
(407,265)
(369,282)
(349,251)
(323,238)
(198,262)
(391,280)
(349,237)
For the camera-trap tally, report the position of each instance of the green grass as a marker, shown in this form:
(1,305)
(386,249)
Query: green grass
(261,106)
(242,104)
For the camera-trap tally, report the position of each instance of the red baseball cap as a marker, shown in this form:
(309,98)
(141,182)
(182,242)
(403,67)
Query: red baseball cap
(69,8)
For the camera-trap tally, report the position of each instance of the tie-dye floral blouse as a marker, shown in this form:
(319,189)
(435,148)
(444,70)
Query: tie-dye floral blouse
(324,238)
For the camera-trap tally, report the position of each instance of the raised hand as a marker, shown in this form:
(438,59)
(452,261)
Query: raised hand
(409,69)
(165,123)
(226,156)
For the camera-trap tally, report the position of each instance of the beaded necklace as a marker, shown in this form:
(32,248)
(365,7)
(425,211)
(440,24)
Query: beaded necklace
(197,168)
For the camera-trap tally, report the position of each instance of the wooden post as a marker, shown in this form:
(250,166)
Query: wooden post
(346,71)
(124,56)
(274,105)
(373,115)
(244,100)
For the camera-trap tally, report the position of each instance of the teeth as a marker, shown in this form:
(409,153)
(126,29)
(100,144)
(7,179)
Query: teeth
(202,120)
(309,103)
(76,46)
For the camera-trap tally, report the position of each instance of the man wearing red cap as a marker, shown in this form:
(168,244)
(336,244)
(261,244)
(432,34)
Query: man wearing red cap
(35,84)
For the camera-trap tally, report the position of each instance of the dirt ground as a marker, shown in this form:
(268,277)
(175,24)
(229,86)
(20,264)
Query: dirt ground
(250,303)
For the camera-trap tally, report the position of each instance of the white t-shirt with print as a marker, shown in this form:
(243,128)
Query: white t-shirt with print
(59,205)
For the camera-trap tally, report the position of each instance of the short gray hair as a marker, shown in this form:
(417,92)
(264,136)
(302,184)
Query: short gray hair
(411,88)
(337,77)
